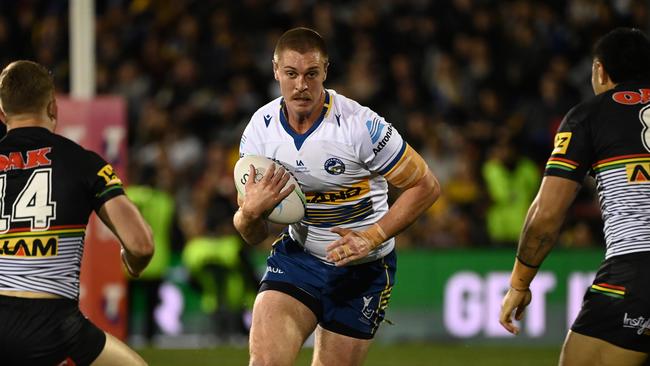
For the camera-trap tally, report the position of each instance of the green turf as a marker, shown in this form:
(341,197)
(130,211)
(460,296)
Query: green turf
(380,355)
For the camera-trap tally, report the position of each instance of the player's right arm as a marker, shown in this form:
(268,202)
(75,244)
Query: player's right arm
(259,198)
(565,172)
(126,222)
(541,229)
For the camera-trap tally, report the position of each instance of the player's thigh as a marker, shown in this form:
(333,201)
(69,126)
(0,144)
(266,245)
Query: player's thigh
(582,350)
(281,324)
(336,349)
(116,353)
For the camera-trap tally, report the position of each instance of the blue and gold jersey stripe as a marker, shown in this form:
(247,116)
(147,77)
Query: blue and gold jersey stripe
(329,217)
(395,160)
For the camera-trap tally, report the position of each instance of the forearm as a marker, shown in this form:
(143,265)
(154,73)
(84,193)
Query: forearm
(135,264)
(252,229)
(538,237)
(410,205)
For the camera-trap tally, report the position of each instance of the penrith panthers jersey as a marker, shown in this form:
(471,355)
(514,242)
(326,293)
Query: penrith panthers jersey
(49,186)
(340,163)
(610,135)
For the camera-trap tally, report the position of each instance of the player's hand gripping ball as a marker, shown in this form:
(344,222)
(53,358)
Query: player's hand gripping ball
(291,209)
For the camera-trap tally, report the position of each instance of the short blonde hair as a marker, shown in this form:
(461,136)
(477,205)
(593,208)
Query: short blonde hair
(302,40)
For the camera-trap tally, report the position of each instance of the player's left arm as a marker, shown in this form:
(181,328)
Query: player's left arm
(116,211)
(420,189)
(564,174)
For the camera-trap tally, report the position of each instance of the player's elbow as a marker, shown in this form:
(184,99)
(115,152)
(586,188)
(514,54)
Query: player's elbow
(141,244)
(432,188)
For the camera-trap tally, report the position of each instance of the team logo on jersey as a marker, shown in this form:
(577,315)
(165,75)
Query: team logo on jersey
(638,172)
(562,140)
(39,246)
(334,166)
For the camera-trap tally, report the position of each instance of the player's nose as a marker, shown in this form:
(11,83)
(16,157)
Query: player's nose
(301,83)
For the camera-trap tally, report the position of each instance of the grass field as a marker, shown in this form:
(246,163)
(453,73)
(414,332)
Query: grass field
(380,355)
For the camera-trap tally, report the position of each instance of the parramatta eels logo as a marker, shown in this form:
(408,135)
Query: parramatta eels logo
(334,166)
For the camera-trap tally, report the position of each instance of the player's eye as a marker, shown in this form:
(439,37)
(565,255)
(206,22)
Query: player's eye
(312,75)
(291,74)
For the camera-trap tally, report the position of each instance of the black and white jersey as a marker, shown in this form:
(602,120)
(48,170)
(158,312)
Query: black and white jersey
(609,135)
(49,186)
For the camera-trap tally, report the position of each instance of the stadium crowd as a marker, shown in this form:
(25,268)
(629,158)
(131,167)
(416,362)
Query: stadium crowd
(477,86)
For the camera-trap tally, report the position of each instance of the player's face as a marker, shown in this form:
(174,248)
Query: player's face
(301,77)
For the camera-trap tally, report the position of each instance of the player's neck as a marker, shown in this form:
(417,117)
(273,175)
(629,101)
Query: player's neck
(29,120)
(301,123)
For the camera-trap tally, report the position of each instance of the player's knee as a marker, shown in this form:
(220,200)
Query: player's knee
(267,359)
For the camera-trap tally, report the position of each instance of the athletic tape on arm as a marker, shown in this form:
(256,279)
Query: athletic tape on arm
(408,171)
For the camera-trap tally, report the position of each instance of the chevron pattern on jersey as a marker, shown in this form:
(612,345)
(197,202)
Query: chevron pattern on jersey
(30,267)
(624,208)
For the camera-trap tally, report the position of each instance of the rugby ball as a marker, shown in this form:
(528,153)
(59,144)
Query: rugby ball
(291,209)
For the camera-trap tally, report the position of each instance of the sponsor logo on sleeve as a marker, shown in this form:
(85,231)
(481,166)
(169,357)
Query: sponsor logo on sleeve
(109,175)
(562,140)
(267,120)
(375,127)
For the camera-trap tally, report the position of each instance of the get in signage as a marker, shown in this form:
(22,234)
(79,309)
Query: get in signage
(472,302)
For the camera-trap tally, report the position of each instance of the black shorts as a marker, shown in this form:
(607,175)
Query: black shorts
(46,332)
(616,308)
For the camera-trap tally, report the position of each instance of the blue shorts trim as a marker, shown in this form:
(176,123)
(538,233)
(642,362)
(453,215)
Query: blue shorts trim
(347,300)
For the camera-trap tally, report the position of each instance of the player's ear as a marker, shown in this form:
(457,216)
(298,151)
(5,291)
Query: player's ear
(52,109)
(327,64)
(602,75)
(3,116)
(276,70)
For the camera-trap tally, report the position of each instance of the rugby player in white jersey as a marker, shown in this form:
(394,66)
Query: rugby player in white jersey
(607,134)
(332,272)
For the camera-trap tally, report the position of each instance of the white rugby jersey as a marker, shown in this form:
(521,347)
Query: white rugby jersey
(339,164)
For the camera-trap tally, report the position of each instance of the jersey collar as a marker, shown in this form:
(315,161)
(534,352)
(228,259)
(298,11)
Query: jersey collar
(299,139)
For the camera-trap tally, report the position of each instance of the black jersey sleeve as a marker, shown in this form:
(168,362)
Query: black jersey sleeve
(102,181)
(572,153)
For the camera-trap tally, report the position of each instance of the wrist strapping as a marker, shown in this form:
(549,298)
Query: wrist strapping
(375,235)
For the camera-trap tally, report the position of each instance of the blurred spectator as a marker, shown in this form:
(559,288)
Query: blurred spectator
(152,192)
(511,180)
